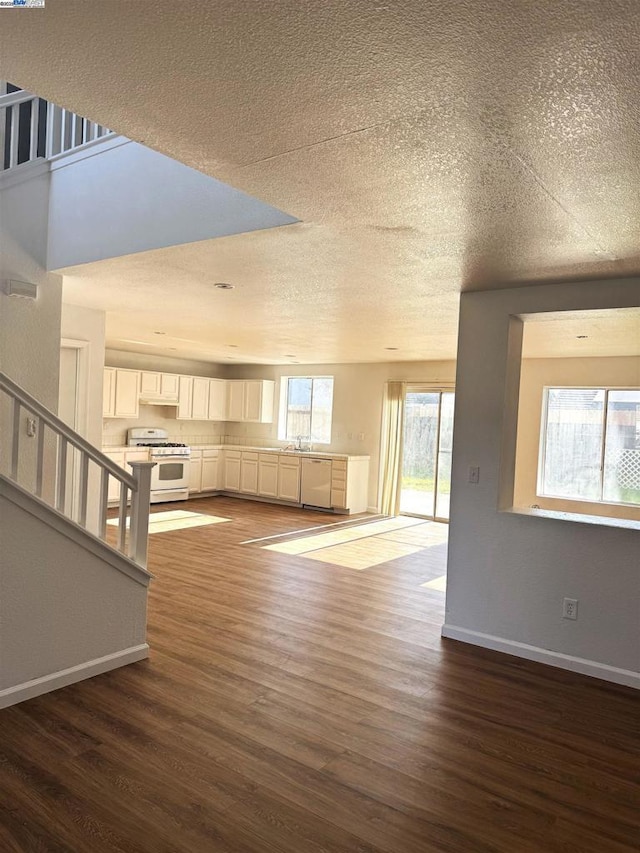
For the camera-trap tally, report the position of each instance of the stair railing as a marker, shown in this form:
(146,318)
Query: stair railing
(132,539)
(43,130)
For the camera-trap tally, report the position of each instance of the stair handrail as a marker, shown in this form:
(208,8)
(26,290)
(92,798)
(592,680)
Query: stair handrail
(63,130)
(19,97)
(138,483)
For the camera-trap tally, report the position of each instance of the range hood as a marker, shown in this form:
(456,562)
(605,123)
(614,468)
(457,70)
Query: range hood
(150,400)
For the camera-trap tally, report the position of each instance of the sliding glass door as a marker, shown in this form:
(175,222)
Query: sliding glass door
(426,459)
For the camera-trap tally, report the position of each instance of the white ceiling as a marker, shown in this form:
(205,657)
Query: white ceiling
(575,334)
(427,147)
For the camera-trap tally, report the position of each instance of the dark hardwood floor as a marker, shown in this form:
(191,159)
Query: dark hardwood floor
(292,705)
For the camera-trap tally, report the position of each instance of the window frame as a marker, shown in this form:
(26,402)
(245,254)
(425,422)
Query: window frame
(542,452)
(283,419)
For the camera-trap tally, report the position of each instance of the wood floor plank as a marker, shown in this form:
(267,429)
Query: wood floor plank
(291,705)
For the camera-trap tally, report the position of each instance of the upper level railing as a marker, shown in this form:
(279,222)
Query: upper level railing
(31,127)
(63,481)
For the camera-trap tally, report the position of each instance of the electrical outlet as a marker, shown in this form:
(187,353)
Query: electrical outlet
(474,474)
(360,436)
(570,608)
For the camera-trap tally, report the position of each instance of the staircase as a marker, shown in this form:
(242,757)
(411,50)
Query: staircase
(73,600)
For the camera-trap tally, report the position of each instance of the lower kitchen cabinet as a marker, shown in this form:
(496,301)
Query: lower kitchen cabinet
(249,473)
(210,470)
(195,472)
(289,479)
(276,476)
(204,471)
(122,458)
(268,475)
(116,456)
(231,478)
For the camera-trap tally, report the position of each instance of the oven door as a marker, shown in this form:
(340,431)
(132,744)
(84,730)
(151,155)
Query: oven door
(170,472)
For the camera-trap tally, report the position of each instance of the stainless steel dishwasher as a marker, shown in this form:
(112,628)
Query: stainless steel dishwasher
(315,487)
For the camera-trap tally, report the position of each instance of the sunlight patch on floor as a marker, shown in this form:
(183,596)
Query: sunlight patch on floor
(175,519)
(437,583)
(363,553)
(305,544)
(425,534)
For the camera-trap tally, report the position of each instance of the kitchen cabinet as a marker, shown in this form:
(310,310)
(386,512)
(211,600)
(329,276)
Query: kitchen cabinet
(210,470)
(268,475)
(185,397)
(250,400)
(277,476)
(231,480)
(109,392)
(200,399)
(235,400)
(158,386)
(122,459)
(195,472)
(204,470)
(350,484)
(258,401)
(289,479)
(121,390)
(249,473)
(217,400)
(116,456)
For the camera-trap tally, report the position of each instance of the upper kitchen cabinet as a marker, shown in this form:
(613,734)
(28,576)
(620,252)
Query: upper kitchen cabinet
(235,400)
(121,391)
(217,400)
(258,400)
(158,387)
(250,400)
(185,398)
(201,399)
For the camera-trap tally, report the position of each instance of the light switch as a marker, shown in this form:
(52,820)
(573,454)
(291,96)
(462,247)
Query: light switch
(474,474)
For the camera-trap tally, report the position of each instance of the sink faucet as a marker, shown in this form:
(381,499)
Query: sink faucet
(299,439)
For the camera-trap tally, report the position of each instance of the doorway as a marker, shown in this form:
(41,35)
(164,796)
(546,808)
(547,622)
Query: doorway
(72,409)
(425,484)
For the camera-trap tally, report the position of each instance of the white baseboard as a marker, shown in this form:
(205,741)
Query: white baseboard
(604,671)
(64,677)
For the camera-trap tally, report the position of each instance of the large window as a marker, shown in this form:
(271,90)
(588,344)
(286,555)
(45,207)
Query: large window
(590,446)
(306,409)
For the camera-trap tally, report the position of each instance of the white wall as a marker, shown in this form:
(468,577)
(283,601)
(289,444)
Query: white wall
(130,199)
(60,606)
(538,372)
(508,573)
(357,403)
(29,329)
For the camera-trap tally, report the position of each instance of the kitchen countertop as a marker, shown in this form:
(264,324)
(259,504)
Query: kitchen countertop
(280,450)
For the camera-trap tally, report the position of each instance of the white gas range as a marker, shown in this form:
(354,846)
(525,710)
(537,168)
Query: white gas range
(170,476)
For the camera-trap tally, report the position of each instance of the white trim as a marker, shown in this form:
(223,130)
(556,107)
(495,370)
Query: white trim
(24,172)
(604,671)
(89,149)
(64,677)
(83,349)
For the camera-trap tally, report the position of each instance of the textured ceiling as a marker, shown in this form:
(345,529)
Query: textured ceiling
(428,148)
